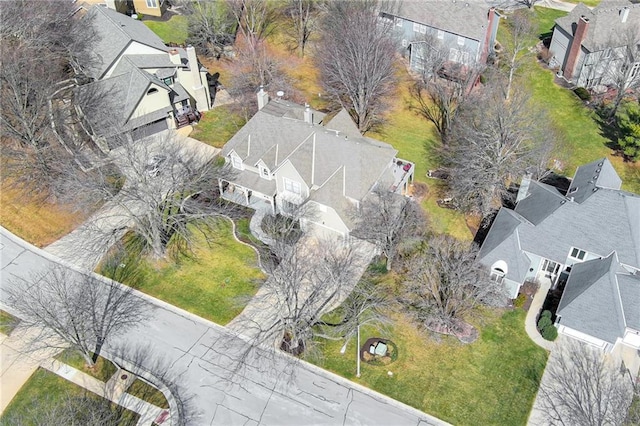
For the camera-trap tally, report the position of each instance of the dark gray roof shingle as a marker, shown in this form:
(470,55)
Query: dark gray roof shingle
(542,200)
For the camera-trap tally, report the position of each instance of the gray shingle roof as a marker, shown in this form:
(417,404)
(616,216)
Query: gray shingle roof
(343,123)
(597,174)
(541,201)
(114,32)
(466,18)
(605,25)
(629,286)
(153,61)
(502,243)
(591,300)
(270,131)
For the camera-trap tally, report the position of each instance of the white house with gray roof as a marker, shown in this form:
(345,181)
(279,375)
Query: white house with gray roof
(588,237)
(289,155)
(589,45)
(147,86)
(467,28)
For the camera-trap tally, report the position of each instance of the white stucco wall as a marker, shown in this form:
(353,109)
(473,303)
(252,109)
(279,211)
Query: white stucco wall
(152,102)
(134,48)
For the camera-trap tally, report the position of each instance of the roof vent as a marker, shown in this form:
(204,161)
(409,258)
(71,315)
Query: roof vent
(595,177)
(600,164)
(624,14)
(598,170)
(595,189)
(574,189)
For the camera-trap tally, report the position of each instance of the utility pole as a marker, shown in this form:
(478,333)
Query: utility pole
(358,352)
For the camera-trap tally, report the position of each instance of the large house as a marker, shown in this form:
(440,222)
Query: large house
(466,28)
(289,155)
(587,239)
(590,45)
(146,86)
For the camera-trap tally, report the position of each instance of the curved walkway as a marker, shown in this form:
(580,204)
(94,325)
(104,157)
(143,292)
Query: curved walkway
(530,322)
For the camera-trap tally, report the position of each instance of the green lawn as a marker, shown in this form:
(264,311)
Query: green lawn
(218,126)
(47,389)
(148,393)
(7,322)
(103,370)
(215,283)
(416,141)
(545,18)
(172,31)
(492,381)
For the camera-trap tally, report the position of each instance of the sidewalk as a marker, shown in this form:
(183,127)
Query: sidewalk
(530,322)
(17,366)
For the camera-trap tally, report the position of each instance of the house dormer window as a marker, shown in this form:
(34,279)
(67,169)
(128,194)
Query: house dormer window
(152,3)
(577,254)
(168,81)
(499,270)
(264,172)
(236,162)
(440,35)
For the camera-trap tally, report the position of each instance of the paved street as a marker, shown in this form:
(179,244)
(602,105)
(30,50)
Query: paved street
(278,391)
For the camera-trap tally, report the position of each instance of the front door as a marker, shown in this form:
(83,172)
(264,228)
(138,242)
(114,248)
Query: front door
(550,269)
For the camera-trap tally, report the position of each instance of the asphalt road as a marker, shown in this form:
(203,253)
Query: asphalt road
(271,389)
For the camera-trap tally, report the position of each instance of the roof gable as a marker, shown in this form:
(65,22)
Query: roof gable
(591,300)
(592,176)
(542,200)
(114,32)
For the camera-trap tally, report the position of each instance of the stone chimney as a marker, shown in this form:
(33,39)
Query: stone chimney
(199,92)
(624,14)
(308,114)
(263,98)
(487,37)
(576,45)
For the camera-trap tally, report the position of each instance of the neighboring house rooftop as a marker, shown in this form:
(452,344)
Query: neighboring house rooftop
(114,32)
(465,18)
(606,28)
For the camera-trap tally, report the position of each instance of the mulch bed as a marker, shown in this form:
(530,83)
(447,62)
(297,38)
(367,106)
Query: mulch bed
(463,331)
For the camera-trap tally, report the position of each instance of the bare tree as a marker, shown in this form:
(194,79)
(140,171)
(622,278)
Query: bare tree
(212,25)
(84,408)
(621,67)
(304,16)
(492,143)
(444,282)
(356,59)
(60,308)
(521,38)
(583,386)
(437,102)
(388,220)
(164,191)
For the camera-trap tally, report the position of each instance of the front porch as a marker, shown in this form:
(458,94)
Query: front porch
(244,196)
(402,176)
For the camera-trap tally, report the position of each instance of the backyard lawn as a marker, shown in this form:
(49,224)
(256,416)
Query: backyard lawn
(48,389)
(217,126)
(216,283)
(172,31)
(492,381)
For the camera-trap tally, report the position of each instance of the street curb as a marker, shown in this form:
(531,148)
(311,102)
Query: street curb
(422,416)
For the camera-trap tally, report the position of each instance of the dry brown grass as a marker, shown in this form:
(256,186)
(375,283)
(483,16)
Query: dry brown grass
(35,220)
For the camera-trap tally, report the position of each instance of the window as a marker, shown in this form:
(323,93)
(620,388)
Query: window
(635,70)
(399,22)
(577,254)
(499,270)
(419,28)
(440,35)
(460,41)
(292,186)
(168,81)
(459,56)
(264,172)
(152,3)
(152,91)
(236,162)
(405,43)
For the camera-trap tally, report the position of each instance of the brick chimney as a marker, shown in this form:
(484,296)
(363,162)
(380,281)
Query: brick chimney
(487,37)
(574,50)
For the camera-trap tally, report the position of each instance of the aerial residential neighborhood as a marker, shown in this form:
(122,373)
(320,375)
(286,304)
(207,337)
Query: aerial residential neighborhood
(313,212)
